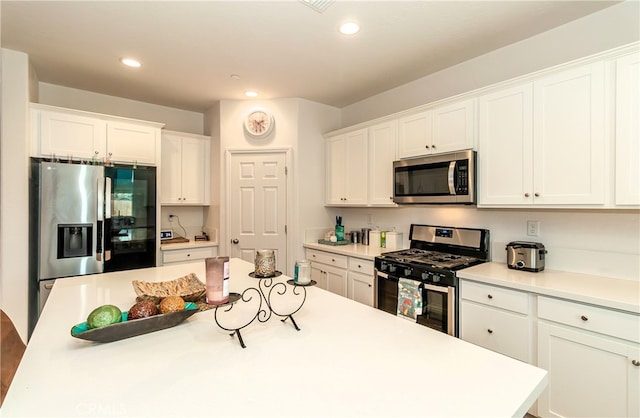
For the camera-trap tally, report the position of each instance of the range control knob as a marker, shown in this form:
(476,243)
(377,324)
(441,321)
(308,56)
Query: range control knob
(520,264)
(425,275)
(383,266)
(408,271)
(436,278)
(392,268)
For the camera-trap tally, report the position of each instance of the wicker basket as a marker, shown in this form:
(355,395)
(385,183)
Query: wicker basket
(188,287)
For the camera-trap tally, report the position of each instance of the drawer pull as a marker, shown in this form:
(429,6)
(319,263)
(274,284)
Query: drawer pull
(635,363)
(490,331)
(490,296)
(584,318)
(333,260)
(188,255)
(359,266)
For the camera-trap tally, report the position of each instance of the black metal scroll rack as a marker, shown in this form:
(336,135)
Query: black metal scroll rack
(266,292)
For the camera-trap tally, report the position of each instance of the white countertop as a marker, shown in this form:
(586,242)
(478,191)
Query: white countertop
(367,252)
(603,291)
(348,360)
(187,245)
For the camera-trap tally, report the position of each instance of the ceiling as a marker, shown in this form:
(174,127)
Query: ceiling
(189,50)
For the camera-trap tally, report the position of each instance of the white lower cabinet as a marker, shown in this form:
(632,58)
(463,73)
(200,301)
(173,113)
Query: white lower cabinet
(188,255)
(593,359)
(350,277)
(360,281)
(329,270)
(496,318)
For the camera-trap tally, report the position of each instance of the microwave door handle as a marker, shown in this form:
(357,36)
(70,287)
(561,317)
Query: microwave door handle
(451,177)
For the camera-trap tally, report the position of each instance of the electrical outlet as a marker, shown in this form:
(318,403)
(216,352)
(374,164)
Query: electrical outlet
(170,218)
(533,228)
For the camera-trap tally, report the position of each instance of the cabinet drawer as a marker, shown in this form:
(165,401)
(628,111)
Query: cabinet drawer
(187,254)
(501,331)
(498,297)
(327,258)
(361,266)
(591,318)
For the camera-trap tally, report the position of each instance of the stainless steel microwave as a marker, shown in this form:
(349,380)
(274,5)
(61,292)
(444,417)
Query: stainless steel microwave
(441,179)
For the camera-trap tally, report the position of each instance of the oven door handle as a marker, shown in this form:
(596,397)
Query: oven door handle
(381,274)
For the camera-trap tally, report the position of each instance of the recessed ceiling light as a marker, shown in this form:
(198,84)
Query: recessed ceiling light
(235,76)
(349,28)
(130,62)
(251,93)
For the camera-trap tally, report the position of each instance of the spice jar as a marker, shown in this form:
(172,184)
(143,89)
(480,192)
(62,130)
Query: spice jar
(265,265)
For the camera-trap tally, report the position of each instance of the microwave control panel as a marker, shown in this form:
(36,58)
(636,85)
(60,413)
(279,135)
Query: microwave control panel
(462,177)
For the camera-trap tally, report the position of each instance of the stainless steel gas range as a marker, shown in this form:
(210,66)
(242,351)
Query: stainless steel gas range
(436,253)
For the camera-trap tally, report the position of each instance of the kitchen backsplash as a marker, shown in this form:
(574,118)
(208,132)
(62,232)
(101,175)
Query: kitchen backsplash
(605,243)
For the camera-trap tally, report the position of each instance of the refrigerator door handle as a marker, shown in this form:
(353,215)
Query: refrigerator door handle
(100,218)
(107,217)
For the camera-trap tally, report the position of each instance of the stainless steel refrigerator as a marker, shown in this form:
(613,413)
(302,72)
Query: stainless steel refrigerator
(88,219)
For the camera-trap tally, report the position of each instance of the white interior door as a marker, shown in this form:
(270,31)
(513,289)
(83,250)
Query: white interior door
(257,205)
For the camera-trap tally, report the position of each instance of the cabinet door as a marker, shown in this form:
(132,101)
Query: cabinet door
(194,171)
(361,288)
(505,147)
(336,154)
(318,274)
(454,127)
(589,375)
(357,167)
(132,143)
(569,138)
(627,130)
(336,280)
(171,177)
(382,154)
(414,135)
(67,135)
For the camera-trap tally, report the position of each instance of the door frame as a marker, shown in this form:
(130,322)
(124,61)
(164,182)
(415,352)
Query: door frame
(224,235)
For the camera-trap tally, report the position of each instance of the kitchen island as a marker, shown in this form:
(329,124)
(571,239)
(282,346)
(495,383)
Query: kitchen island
(348,360)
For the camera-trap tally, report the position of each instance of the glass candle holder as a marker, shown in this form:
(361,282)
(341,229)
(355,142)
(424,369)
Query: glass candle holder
(217,280)
(265,265)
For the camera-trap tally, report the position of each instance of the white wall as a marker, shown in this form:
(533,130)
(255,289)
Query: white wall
(614,26)
(14,188)
(299,126)
(174,119)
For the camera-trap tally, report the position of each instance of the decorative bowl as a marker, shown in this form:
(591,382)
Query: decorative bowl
(133,327)
(188,287)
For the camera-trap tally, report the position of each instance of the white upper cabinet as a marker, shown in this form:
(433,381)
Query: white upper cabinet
(186,171)
(505,146)
(442,129)
(346,169)
(74,134)
(454,127)
(569,137)
(415,134)
(627,137)
(65,135)
(382,154)
(543,142)
(133,142)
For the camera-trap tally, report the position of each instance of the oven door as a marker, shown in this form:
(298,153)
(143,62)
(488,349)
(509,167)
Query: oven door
(439,310)
(438,303)
(387,297)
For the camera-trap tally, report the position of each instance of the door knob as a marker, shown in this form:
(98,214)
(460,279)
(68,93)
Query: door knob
(235,241)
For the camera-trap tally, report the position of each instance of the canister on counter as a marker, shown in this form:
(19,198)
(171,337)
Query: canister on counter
(355,237)
(365,236)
